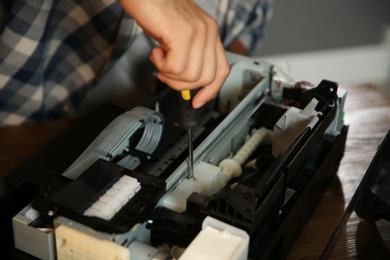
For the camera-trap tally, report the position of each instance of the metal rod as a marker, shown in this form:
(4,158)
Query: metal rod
(190,156)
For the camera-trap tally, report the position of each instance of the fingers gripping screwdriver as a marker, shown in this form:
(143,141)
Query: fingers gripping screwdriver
(189,119)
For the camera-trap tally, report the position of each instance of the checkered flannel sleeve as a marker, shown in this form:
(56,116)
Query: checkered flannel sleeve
(52,51)
(244,20)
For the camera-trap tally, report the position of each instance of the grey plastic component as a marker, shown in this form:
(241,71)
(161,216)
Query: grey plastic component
(38,242)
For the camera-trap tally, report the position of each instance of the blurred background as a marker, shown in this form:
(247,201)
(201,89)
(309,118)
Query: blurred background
(347,41)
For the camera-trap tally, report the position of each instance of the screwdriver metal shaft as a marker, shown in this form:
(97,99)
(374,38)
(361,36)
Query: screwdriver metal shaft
(190,156)
(189,118)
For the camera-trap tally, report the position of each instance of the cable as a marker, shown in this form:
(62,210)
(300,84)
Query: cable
(115,138)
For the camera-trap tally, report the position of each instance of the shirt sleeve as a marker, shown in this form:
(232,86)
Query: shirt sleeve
(52,53)
(246,21)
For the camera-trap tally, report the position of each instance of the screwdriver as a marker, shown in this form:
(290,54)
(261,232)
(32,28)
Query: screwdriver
(189,119)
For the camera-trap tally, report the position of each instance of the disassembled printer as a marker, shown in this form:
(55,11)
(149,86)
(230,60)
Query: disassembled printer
(115,186)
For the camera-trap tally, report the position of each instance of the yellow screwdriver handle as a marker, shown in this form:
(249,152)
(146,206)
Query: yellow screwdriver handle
(189,117)
(186,94)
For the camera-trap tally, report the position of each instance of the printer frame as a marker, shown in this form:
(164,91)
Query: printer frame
(271,209)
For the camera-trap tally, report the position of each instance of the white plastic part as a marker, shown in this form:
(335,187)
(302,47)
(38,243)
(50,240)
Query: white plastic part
(73,244)
(114,198)
(218,241)
(204,182)
(293,122)
(232,167)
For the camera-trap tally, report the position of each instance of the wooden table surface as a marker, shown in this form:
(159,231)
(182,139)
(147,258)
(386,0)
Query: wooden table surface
(367,112)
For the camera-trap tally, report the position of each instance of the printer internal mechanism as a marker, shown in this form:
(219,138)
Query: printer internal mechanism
(265,151)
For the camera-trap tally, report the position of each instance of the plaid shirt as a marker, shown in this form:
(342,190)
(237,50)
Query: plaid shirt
(53,52)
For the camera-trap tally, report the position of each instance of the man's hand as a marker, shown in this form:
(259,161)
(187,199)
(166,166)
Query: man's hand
(190,54)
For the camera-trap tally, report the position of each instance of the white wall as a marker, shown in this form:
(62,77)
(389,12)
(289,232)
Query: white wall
(347,41)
